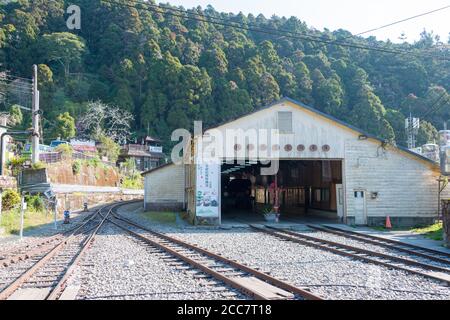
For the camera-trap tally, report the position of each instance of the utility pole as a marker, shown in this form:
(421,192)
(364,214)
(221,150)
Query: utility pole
(412,126)
(35,116)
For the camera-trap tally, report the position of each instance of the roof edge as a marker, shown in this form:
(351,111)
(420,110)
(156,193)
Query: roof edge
(157,168)
(329,117)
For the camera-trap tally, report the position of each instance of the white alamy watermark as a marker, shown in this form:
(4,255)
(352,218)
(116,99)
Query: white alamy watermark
(73,21)
(231,146)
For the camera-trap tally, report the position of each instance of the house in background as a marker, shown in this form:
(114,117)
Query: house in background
(83,146)
(147,153)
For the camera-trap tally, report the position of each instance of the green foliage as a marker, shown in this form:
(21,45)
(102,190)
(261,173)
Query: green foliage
(108,148)
(169,71)
(434,231)
(10,199)
(16,165)
(35,203)
(66,150)
(15,115)
(38,165)
(94,162)
(64,48)
(133,181)
(64,126)
(76,166)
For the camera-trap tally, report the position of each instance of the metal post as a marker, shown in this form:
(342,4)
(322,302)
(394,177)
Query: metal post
(35,117)
(22,212)
(2,136)
(1,202)
(55,213)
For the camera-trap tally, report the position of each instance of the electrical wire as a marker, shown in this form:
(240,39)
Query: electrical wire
(276,32)
(403,20)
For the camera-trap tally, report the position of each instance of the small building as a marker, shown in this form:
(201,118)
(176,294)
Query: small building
(326,168)
(84,146)
(147,154)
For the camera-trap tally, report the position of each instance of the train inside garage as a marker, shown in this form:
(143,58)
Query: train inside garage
(302,190)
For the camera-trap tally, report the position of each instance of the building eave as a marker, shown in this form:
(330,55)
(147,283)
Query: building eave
(331,118)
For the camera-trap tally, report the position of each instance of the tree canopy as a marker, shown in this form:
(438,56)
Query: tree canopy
(168,70)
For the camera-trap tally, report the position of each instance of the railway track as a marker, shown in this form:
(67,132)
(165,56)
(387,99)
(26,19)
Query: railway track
(250,282)
(37,247)
(46,277)
(427,253)
(390,261)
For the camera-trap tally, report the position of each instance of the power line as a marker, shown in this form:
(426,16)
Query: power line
(403,20)
(394,23)
(7,75)
(439,107)
(276,32)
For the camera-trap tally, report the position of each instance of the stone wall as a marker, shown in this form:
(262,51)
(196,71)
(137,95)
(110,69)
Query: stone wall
(75,201)
(88,175)
(7,182)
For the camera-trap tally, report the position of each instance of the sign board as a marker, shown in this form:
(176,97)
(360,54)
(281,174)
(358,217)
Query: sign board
(155,149)
(207,190)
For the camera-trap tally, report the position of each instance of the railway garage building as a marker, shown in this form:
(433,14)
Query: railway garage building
(327,169)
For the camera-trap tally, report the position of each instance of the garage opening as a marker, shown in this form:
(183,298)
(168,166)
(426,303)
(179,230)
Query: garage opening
(306,189)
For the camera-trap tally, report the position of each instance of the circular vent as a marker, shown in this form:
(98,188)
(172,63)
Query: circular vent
(300,147)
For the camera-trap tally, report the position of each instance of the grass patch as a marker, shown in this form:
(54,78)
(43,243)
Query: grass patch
(383,229)
(10,220)
(434,231)
(161,217)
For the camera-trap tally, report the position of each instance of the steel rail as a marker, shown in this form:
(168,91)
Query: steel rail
(400,243)
(17,283)
(356,253)
(58,289)
(380,243)
(36,248)
(260,275)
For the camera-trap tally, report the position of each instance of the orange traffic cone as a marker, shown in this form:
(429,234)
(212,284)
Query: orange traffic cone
(388,223)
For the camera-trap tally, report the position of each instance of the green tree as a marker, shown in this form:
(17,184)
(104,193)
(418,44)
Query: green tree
(15,115)
(64,126)
(65,48)
(108,148)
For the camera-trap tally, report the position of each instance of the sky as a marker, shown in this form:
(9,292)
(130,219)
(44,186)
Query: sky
(352,15)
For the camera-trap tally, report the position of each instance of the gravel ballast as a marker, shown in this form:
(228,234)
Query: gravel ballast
(119,267)
(326,274)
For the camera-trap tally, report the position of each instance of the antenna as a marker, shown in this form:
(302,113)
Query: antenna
(412,126)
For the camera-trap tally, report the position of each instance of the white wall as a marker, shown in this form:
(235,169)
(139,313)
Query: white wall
(308,128)
(165,185)
(405,186)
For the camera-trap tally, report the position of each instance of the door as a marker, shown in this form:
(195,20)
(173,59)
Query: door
(340,200)
(360,207)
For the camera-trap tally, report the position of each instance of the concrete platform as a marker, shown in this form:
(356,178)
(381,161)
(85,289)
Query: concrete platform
(403,236)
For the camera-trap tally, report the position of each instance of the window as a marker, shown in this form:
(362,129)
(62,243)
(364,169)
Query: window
(285,121)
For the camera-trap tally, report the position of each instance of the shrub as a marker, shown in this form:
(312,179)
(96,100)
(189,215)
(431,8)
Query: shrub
(76,167)
(10,199)
(133,181)
(35,203)
(94,162)
(16,165)
(38,165)
(65,150)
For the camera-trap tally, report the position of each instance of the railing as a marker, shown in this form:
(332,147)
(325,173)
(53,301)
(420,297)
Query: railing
(50,157)
(54,157)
